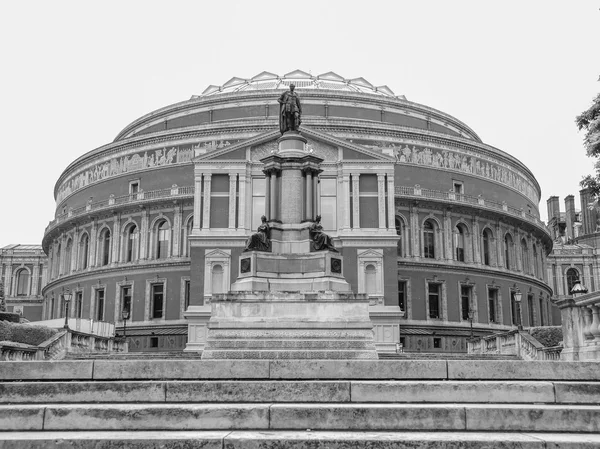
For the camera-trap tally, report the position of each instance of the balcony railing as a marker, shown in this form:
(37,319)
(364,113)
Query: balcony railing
(476,201)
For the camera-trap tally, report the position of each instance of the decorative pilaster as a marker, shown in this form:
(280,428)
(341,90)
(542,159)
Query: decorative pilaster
(197,202)
(346,200)
(44,275)
(268,211)
(309,196)
(116,238)
(242,201)
(93,243)
(500,246)
(74,250)
(391,203)
(274,197)
(448,237)
(475,239)
(381,199)
(63,255)
(316,196)
(415,231)
(144,234)
(206,211)
(587,281)
(232,198)
(8,279)
(35,278)
(560,280)
(177,218)
(355,201)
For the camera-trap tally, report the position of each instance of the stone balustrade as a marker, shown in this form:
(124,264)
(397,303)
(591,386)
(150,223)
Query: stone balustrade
(514,342)
(56,347)
(580,316)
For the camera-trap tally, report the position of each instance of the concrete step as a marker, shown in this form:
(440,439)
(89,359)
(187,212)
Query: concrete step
(294,440)
(266,391)
(509,370)
(301,416)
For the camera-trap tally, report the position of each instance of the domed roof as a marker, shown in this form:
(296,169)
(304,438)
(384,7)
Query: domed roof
(302,80)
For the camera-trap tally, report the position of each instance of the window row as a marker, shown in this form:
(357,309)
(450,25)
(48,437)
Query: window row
(436,305)
(466,247)
(128,249)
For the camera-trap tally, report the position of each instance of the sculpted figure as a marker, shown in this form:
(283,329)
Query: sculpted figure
(261,240)
(290,111)
(320,240)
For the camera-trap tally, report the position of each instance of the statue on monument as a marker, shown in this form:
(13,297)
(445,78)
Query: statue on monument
(320,240)
(290,111)
(261,240)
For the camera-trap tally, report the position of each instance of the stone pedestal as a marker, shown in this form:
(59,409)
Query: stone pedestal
(290,325)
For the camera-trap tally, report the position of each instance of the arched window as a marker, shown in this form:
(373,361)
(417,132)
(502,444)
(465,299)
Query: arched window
(399,234)
(536,272)
(572,278)
(487,237)
(525,256)
(131,245)
(162,239)
(84,246)
(428,240)
(22,282)
(104,247)
(507,251)
(370,280)
(217,279)
(459,243)
(68,253)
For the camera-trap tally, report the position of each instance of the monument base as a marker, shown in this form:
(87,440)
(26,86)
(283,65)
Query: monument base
(290,325)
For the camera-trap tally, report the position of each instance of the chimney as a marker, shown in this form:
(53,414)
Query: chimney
(553,208)
(588,217)
(570,216)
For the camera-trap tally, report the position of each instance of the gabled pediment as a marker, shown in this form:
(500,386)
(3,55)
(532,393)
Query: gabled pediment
(217,254)
(297,74)
(264,76)
(326,146)
(331,76)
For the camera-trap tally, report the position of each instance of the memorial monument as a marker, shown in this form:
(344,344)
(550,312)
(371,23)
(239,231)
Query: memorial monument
(291,300)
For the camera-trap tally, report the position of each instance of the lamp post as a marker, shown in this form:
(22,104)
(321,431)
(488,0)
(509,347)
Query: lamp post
(518,296)
(125,316)
(471,316)
(67,298)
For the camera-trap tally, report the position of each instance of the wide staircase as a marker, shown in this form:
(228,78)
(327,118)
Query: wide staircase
(330,404)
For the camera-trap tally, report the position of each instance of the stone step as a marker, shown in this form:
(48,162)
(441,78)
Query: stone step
(444,356)
(132,355)
(302,353)
(281,391)
(299,370)
(298,416)
(294,440)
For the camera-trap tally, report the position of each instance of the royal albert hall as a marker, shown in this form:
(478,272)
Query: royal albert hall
(441,230)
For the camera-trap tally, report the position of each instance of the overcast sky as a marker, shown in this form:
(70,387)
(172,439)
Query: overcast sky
(74,74)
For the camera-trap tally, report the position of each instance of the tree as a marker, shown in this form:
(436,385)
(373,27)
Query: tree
(2,302)
(589,121)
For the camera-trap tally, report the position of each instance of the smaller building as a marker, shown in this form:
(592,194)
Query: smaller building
(576,236)
(23,271)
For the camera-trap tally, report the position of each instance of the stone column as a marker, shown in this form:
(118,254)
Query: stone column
(44,275)
(560,280)
(355,201)
(143,236)
(8,279)
(415,231)
(74,250)
(346,199)
(448,237)
(116,237)
(197,202)
(316,198)
(206,211)
(177,218)
(309,195)
(232,198)
(587,282)
(391,203)
(500,246)
(274,197)
(35,278)
(63,255)
(268,196)
(381,199)
(475,239)
(242,201)
(93,244)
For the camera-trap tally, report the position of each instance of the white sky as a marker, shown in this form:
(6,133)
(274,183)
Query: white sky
(73,74)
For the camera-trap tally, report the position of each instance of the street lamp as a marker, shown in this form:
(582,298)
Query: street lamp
(471,316)
(67,295)
(518,296)
(125,316)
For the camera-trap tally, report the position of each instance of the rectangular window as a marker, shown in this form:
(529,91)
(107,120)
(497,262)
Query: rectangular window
(125,300)
(134,188)
(492,305)
(368,201)
(100,305)
(328,188)
(458,187)
(541,312)
(437,343)
(157,301)
(186,292)
(78,304)
(219,201)
(154,342)
(402,295)
(514,309)
(258,201)
(466,292)
(531,310)
(428,245)
(434,300)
